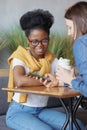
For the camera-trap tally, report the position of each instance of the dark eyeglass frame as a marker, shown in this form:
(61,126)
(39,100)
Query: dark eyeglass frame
(35,42)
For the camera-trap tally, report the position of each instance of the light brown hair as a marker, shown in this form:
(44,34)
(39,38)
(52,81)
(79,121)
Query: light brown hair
(78,14)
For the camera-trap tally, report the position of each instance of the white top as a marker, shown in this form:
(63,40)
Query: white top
(33,100)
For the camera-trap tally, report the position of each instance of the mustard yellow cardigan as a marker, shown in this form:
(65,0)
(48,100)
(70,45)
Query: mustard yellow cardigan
(43,65)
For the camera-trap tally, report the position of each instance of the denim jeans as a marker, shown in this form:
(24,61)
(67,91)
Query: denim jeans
(21,117)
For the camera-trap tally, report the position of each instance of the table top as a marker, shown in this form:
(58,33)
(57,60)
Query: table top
(61,92)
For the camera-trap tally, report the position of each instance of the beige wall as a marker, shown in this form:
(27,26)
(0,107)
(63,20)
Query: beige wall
(11,10)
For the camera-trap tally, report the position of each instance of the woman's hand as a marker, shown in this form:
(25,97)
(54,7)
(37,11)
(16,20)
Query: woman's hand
(65,75)
(54,82)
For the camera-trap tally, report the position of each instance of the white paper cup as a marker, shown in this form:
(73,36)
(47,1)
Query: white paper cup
(65,63)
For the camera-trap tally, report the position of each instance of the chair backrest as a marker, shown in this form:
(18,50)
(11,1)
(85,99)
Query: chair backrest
(4,72)
(3,95)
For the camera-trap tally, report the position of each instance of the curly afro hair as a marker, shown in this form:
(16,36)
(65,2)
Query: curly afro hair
(36,19)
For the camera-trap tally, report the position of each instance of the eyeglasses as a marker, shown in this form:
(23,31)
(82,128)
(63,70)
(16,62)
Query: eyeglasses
(36,42)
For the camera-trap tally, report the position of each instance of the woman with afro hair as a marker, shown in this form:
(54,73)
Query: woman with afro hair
(29,111)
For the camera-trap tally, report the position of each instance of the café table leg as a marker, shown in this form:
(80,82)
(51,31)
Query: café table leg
(78,101)
(67,114)
(70,111)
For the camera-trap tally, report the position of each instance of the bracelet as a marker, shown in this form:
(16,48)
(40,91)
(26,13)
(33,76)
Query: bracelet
(66,85)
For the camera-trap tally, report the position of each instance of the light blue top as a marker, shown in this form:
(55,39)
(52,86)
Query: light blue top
(80,55)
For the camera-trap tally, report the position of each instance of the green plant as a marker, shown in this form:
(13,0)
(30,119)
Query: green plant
(14,37)
(61,46)
(2,45)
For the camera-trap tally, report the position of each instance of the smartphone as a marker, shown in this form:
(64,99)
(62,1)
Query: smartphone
(43,78)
